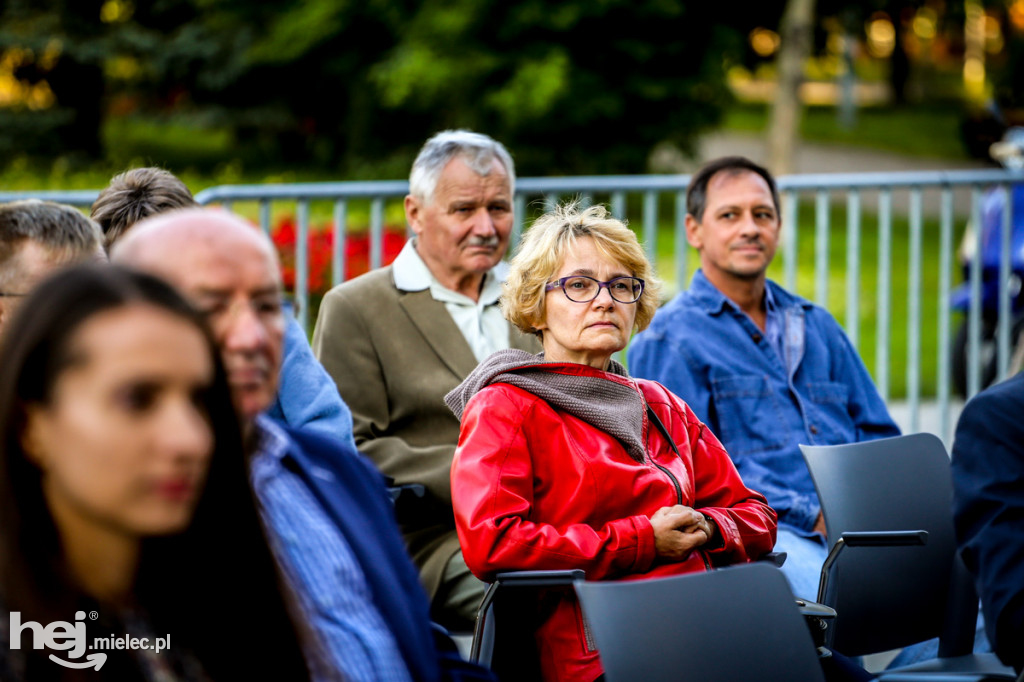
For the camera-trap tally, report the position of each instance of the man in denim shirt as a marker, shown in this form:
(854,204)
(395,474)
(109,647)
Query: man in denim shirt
(766,370)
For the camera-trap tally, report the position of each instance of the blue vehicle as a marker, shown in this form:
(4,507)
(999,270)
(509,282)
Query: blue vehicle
(1009,152)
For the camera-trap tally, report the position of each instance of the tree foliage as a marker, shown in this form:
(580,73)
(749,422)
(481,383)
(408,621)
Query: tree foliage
(570,86)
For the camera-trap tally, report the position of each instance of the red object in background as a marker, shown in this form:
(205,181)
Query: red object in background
(320,247)
(357,251)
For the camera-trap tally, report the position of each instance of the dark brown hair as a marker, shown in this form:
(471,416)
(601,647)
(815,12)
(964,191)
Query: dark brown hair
(697,192)
(214,586)
(64,231)
(136,194)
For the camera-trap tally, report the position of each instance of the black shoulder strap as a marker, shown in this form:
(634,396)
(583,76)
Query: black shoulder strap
(653,418)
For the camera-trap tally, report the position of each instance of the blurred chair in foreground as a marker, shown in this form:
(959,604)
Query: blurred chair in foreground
(731,625)
(893,574)
(509,616)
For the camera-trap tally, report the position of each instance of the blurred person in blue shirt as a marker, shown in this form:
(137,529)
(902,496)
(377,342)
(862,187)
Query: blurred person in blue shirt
(306,395)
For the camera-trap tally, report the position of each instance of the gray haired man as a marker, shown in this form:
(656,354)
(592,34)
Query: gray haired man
(398,339)
(36,238)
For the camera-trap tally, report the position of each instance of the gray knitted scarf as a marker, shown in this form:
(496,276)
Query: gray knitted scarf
(615,408)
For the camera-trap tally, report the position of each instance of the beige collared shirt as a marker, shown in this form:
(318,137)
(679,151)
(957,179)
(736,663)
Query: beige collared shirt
(480,321)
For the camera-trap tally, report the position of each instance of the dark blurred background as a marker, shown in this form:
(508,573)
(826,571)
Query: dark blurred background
(344,89)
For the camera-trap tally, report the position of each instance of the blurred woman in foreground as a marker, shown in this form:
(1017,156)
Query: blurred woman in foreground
(564,461)
(124,494)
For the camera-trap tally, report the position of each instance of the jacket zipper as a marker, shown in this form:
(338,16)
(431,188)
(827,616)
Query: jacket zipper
(679,497)
(671,476)
(675,481)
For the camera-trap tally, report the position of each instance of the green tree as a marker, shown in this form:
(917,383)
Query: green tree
(60,60)
(53,54)
(570,86)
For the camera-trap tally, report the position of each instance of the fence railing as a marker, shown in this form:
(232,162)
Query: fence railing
(877,249)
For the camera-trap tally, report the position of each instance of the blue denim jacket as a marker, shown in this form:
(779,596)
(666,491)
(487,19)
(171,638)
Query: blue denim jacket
(760,406)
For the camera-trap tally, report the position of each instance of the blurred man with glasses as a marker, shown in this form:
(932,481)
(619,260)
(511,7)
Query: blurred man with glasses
(36,238)
(324,508)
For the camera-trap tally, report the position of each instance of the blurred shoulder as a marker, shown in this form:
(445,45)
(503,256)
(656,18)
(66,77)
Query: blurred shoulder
(500,395)
(682,304)
(657,395)
(376,283)
(1005,398)
(333,454)
(670,319)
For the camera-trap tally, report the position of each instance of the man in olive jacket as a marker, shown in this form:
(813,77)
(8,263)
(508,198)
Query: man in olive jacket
(398,339)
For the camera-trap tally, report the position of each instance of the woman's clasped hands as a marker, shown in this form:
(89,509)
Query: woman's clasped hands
(678,530)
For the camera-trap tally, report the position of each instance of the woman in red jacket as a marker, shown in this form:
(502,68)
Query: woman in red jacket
(564,461)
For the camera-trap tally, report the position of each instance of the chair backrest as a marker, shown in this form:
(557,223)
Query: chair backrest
(731,625)
(887,597)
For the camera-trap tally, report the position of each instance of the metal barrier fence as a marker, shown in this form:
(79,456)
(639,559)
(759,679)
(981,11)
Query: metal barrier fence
(898,214)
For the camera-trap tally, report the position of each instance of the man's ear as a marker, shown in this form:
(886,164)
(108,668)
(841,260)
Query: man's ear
(693,232)
(412,214)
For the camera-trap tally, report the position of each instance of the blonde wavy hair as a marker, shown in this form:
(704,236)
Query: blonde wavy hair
(544,247)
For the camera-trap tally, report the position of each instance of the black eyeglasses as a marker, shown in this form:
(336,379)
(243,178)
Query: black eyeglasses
(583,289)
(11,294)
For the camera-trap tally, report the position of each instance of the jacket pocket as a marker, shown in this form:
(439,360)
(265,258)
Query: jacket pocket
(586,635)
(831,415)
(748,414)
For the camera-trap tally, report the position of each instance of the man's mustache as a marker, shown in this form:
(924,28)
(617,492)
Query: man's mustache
(489,242)
(749,242)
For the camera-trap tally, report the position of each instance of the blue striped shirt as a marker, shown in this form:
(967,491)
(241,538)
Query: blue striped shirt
(321,571)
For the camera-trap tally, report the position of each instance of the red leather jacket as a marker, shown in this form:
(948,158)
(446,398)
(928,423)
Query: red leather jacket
(536,488)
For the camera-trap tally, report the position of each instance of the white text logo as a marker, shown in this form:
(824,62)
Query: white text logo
(63,636)
(60,635)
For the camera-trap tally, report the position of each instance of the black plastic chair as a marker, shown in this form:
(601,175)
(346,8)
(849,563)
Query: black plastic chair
(735,624)
(510,612)
(893,574)
(516,602)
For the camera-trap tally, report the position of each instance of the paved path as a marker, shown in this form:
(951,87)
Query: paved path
(823,158)
(812,157)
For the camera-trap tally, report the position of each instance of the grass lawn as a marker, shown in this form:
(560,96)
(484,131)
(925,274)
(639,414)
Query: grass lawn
(932,131)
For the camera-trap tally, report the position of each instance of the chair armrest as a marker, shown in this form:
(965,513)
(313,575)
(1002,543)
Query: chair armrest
(539,578)
(869,538)
(407,500)
(938,677)
(819,619)
(408,490)
(813,608)
(774,558)
(884,538)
